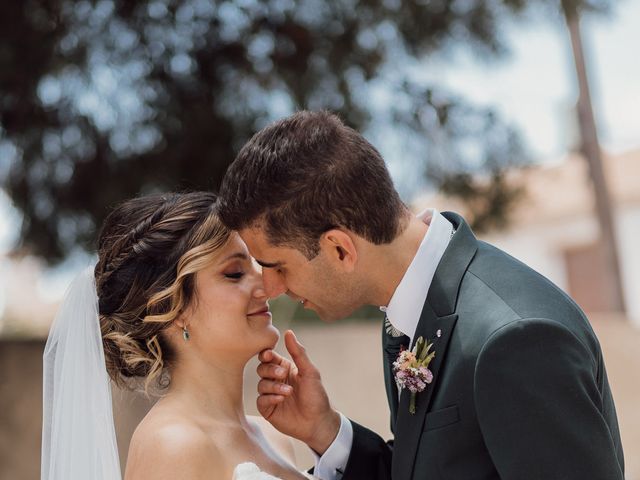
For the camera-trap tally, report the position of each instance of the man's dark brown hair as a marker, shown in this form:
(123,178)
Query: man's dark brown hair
(306,174)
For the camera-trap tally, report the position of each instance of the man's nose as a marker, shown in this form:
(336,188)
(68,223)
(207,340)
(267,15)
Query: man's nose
(273,284)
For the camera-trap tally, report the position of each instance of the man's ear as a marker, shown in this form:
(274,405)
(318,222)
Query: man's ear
(340,249)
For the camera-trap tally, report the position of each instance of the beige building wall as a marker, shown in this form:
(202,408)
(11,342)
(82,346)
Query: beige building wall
(629,241)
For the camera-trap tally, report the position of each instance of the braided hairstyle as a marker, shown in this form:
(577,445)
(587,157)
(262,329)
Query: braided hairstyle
(149,250)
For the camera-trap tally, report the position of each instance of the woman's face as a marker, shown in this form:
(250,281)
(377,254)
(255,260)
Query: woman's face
(229,317)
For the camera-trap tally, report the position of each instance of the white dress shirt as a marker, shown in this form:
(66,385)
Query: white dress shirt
(403,312)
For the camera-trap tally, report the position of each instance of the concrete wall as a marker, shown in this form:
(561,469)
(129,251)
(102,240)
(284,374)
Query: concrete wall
(348,355)
(21,410)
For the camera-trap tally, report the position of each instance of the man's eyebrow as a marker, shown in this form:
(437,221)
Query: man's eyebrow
(268,265)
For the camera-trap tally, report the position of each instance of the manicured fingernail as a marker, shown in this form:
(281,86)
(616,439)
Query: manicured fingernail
(285,388)
(279,371)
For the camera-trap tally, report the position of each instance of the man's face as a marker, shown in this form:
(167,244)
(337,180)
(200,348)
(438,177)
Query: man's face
(315,283)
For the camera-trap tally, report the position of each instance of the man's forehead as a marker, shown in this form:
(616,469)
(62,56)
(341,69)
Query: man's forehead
(259,246)
(266,253)
(255,237)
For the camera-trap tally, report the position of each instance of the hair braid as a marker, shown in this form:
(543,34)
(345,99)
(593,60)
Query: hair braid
(149,250)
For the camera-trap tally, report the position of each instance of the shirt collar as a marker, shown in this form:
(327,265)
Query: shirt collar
(406,304)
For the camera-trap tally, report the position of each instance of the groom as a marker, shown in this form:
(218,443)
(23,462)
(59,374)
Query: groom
(519,388)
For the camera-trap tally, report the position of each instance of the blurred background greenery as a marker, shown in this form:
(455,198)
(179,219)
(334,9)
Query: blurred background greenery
(105,100)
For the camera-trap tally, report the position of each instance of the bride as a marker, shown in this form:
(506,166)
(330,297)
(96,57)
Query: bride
(180,307)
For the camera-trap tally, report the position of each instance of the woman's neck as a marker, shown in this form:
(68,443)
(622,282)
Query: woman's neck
(212,391)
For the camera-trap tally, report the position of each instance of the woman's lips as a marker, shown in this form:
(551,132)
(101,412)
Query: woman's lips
(262,311)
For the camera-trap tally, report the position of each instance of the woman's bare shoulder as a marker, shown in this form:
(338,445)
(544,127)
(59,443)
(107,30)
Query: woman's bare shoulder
(169,446)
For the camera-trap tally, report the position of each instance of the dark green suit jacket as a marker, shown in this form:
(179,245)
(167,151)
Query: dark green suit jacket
(520,389)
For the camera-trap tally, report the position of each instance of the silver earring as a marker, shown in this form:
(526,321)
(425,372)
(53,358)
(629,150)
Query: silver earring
(185,334)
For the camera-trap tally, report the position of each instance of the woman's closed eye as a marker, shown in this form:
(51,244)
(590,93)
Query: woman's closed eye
(234,275)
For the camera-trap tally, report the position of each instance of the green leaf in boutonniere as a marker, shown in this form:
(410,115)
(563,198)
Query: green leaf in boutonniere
(411,369)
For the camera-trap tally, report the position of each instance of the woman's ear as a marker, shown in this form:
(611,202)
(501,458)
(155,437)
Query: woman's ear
(178,328)
(340,249)
(182,320)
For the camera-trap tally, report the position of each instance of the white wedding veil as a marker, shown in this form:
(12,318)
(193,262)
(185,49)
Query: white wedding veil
(78,433)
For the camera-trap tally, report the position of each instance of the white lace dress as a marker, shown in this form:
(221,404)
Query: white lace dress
(250,471)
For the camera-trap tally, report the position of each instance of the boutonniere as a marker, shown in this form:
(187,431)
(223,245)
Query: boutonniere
(411,369)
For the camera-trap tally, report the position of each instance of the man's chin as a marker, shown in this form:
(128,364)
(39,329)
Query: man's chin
(330,317)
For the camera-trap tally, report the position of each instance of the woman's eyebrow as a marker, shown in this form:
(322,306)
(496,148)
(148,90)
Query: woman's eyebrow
(240,255)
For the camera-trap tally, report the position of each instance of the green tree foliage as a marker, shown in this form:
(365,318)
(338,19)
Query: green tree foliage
(104,100)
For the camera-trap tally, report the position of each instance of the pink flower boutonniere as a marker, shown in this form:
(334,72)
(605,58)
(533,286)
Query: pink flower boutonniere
(411,369)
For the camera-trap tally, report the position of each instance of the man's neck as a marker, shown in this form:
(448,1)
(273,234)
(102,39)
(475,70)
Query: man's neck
(388,263)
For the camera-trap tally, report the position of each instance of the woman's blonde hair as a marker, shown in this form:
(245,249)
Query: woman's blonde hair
(150,249)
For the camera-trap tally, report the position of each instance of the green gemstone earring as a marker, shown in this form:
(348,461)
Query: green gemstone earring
(185,334)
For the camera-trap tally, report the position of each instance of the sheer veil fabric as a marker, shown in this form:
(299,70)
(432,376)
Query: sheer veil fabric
(78,433)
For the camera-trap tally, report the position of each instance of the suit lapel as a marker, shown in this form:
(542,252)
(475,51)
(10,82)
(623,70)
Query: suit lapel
(409,426)
(436,324)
